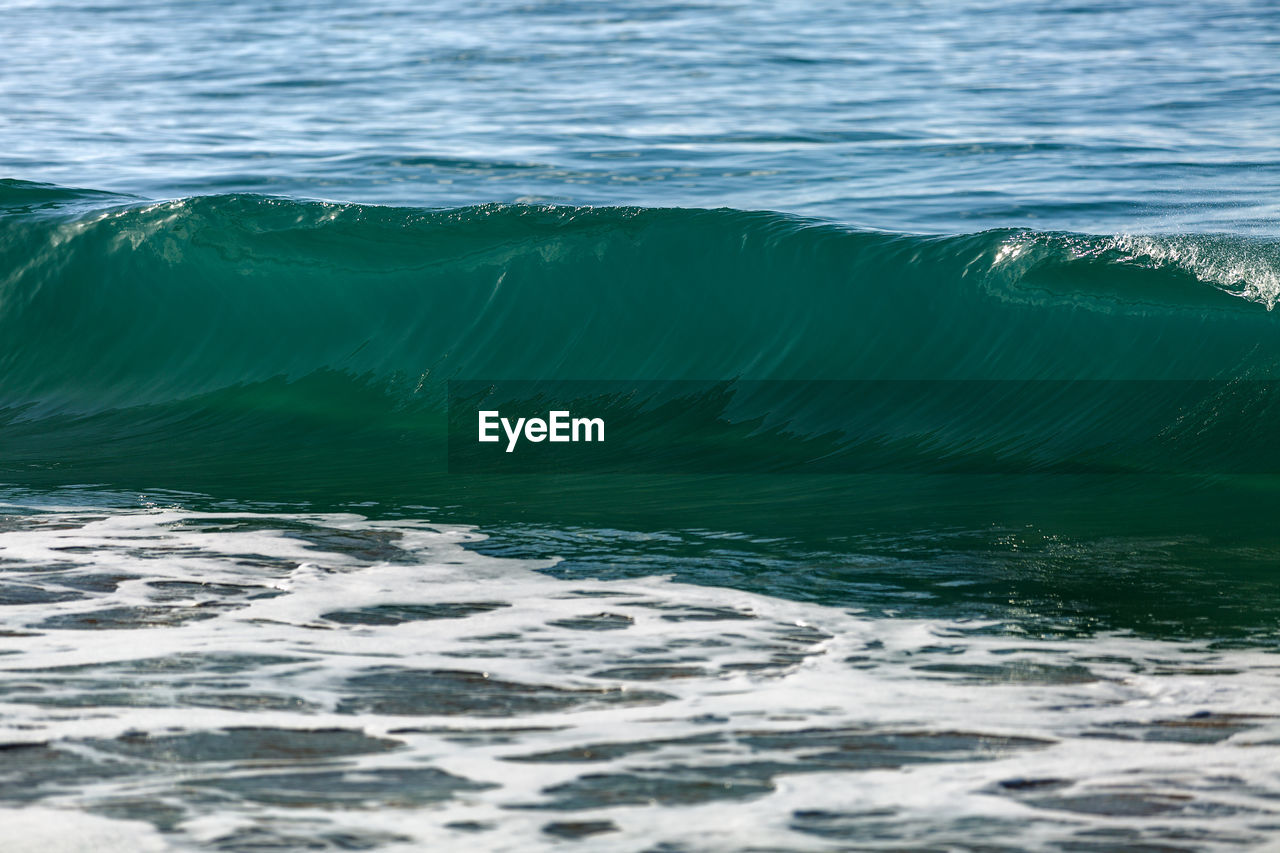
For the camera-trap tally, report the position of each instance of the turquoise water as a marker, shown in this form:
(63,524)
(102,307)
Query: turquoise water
(938,343)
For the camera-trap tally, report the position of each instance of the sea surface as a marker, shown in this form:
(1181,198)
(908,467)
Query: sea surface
(946,329)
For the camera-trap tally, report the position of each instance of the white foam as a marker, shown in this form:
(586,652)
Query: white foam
(1237,267)
(41,830)
(1249,270)
(779,668)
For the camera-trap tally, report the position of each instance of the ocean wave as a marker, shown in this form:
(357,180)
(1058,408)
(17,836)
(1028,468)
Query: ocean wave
(316,339)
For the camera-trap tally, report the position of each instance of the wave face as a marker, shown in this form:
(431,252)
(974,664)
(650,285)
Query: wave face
(148,345)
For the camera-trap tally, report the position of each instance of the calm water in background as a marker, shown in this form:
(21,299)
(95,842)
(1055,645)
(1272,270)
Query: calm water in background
(237,614)
(919,116)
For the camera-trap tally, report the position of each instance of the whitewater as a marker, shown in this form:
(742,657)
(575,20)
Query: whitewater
(326,680)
